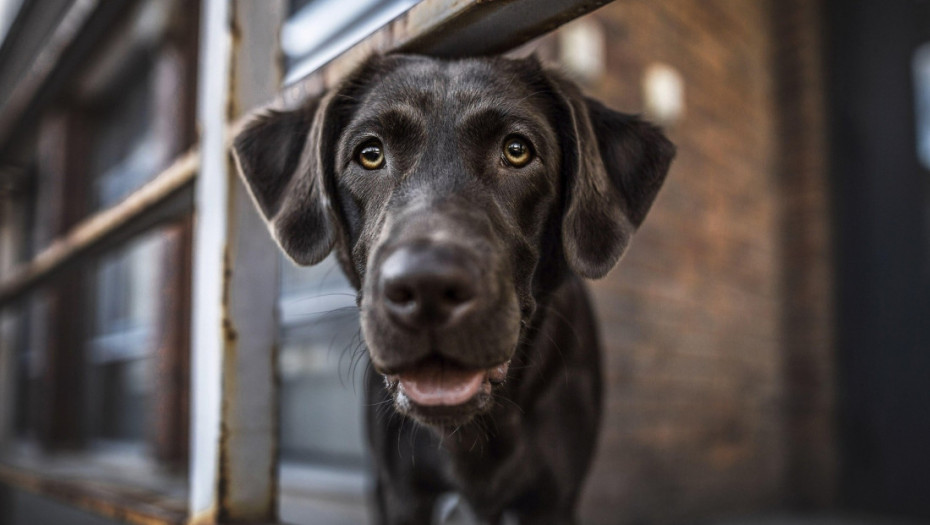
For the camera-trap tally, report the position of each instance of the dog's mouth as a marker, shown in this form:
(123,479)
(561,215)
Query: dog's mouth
(437,382)
(439,392)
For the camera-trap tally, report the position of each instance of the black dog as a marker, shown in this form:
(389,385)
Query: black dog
(464,198)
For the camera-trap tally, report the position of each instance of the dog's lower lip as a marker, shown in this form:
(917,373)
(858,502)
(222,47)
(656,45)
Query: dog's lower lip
(438,385)
(435,383)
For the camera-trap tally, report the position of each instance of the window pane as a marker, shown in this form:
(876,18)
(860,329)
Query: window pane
(17,338)
(318,30)
(322,364)
(126,152)
(322,391)
(28,335)
(125,292)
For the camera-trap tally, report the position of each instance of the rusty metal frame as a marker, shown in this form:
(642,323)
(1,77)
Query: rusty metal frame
(233,465)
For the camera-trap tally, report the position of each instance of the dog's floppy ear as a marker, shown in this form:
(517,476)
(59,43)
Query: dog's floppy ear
(615,165)
(282,159)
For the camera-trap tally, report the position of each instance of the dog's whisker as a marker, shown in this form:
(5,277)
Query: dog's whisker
(305,298)
(358,354)
(342,358)
(337,310)
(321,316)
(356,351)
(325,278)
(400,432)
(567,323)
(498,397)
(545,333)
(413,437)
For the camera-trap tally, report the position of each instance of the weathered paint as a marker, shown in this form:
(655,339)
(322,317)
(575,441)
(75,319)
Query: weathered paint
(210,193)
(234,442)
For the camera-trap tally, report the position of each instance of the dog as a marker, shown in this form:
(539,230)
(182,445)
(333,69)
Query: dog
(465,200)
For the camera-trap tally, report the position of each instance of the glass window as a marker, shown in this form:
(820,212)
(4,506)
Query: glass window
(322,365)
(28,334)
(126,151)
(19,317)
(95,349)
(124,291)
(318,30)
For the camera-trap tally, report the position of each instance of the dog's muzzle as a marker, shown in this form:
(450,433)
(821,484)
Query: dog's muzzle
(441,327)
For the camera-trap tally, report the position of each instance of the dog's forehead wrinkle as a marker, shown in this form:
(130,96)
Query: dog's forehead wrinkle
(381,111)
(441,86)
(416,82)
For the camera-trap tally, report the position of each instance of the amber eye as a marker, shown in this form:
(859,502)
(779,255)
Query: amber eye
(517,152)
(371,156)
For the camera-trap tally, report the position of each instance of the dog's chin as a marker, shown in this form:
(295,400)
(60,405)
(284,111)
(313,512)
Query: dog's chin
(440,394)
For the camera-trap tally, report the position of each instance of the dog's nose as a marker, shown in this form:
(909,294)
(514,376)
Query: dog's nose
(428,287)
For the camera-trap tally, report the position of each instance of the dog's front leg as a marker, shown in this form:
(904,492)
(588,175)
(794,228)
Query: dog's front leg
(399,505)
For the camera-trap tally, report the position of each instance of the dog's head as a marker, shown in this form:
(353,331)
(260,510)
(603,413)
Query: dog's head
(456,194)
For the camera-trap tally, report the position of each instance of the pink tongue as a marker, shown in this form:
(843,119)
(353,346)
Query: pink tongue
(434,384)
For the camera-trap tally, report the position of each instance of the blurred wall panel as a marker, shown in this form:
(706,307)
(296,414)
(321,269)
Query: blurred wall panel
(883,255)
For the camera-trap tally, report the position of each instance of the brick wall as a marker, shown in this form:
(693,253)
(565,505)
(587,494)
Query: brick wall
(705,333)
(808,283)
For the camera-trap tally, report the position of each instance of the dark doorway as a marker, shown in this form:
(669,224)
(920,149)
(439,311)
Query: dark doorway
(882,205)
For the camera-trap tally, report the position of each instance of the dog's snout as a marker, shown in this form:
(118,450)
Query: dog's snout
(428,287)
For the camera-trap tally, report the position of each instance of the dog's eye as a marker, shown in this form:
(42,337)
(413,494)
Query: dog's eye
(371,156)
(517,152)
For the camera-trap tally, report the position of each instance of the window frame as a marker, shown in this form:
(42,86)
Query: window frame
(233,472)
(53,272)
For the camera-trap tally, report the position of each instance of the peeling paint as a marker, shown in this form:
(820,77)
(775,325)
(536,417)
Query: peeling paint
(235,43)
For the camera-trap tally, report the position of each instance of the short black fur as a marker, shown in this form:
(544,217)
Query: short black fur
(466,265)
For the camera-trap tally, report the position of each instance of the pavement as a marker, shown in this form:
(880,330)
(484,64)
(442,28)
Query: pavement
(825,519)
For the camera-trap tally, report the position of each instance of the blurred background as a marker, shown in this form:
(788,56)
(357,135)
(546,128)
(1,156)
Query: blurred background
(767,336)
